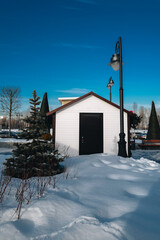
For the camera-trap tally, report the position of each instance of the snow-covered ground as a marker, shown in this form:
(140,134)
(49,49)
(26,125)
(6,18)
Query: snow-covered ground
(100,197)
(12,140)
(149,154)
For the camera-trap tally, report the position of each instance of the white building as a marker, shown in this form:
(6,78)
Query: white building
(88,124)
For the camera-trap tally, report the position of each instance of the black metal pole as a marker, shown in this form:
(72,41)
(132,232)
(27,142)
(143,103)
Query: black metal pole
(122,142)
(110,94)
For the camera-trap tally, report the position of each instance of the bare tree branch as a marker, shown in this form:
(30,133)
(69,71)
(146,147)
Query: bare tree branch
(9,102)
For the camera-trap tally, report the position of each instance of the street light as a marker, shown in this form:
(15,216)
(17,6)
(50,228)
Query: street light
(116,63)
(109,85)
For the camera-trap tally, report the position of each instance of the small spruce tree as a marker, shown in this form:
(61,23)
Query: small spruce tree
(153,129)
(34,158)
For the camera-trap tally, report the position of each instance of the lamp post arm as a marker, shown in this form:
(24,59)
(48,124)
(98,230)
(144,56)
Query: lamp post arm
(117,47)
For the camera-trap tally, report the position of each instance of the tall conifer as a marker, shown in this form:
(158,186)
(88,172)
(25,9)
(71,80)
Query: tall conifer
(44,105)
(35,123)
(44,109)
(153,129)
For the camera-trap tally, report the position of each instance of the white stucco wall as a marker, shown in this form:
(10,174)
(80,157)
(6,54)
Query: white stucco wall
(67,125)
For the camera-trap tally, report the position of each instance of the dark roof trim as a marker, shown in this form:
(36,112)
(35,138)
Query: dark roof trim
(82,97)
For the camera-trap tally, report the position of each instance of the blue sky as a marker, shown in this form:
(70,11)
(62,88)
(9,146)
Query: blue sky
(63,47)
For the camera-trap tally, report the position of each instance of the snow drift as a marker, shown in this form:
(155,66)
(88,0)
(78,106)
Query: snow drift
(99,197)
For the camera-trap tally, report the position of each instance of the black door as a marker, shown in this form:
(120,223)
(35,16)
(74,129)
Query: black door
(91,133)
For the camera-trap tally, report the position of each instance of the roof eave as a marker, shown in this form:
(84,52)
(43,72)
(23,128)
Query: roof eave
(82,97)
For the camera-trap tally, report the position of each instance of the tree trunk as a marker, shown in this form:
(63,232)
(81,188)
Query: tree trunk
(10,117)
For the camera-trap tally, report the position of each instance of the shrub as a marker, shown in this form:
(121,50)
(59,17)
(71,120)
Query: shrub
(47,136)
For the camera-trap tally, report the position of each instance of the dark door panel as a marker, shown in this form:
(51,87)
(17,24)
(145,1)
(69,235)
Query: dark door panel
(91,133)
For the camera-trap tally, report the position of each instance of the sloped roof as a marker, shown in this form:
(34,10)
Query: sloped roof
(80,98)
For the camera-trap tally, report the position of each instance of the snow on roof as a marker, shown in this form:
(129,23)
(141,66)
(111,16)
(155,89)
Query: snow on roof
(68,99)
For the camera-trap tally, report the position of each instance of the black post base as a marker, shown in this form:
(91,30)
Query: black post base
(122,145)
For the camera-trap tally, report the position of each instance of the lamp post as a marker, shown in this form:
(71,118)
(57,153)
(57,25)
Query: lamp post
(116,63)
(110,85)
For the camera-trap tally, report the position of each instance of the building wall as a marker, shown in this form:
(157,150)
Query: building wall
(67,125)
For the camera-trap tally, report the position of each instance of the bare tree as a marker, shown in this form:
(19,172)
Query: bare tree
(135,107)
(144,114)
(10,102)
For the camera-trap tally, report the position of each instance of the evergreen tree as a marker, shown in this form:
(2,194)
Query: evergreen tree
(134,120)
(34,158)
(44,109)
(44,105)
(153,129)
(36,124)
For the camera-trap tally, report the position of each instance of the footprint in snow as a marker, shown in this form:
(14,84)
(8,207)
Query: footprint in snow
(136,191)
(125,177)
(120,166)
(96,165)
(106,162)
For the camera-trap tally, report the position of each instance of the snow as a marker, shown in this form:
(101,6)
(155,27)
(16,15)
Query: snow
(12,140)
(98,197)
(148,154)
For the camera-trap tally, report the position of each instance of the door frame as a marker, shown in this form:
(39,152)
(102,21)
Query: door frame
(80,128)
